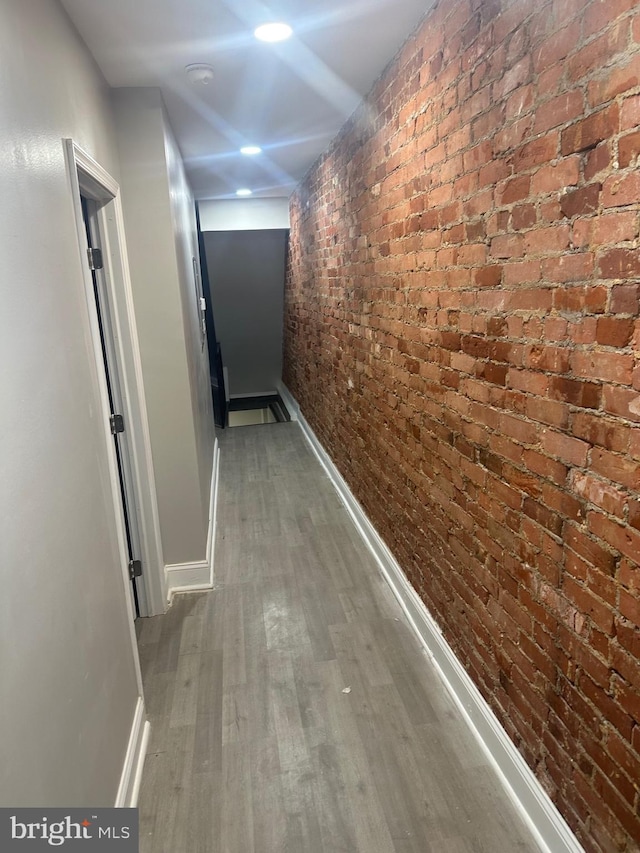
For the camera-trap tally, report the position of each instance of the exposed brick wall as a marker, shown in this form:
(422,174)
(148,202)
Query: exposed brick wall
(462,334)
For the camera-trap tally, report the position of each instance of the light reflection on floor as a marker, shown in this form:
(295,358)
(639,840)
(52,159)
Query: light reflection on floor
(251,417)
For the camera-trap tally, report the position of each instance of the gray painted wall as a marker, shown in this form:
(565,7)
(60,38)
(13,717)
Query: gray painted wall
(246,273)
(67,665)
(183,217)
(160,224)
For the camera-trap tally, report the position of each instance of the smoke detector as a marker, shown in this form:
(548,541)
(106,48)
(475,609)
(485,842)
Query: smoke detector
(200,74)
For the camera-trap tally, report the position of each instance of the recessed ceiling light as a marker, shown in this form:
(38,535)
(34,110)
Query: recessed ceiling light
(244,192)
(250,150)
(273,32)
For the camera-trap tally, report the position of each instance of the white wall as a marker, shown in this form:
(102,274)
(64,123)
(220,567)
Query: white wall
(67,665)
(186,247)
(244,214)
(159,219)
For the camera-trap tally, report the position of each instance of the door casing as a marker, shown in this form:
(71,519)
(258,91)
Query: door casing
(88,178)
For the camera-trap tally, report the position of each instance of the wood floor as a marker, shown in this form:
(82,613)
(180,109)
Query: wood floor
(292,708)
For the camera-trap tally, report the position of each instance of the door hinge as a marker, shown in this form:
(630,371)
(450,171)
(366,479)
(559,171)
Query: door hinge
(95,259)
(135,569)
(116,422)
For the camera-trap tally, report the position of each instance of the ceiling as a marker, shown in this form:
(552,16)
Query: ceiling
(290,98)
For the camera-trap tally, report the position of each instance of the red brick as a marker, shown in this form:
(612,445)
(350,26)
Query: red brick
(548,412)
(620,263)
(551,80)
(614,331)
(620,190)
(607,706)
(514,189)
(629,575)
(523,216)
(623,539)
(610,228)
(606,835)
(513,77)
(549,210)
(614,782)
(488,276)
(625,653)
(625,299)
(593,299)
(607,366)
(597,52)
(601,13)
(623,402)
(616,82)
(507,246)
(536,152)
(531,299)
(545,466)
(616,468)
(630,609)
(634,514)
(556,175)
(521,272)
(520,430)
(475,230)
(597,160)
(559,110)
(623,756)
(571,450)
(521,100)
(628,149)
(545,240)
(557,46)
(548,358)
(589,549)
(555,328)
(630,111)
(583,331)
(576,267)
(588,132)
(587,395)
(486,123)
(561,502)
(581,202)
(471,267)
(600,493)
(600,644)
(589,605)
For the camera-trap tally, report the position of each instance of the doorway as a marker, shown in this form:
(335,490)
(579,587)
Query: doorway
(119,428)
(110,307)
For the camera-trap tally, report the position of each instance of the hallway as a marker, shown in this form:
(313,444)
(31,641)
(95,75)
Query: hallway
(292,708)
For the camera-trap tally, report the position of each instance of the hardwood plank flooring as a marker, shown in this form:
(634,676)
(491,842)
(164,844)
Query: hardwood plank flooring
(292,708)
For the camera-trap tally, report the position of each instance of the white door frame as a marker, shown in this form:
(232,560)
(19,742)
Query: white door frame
(88,177)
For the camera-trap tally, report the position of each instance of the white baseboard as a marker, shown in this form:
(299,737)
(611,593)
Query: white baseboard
(213,506)
(197,576)
(131,777)
(290,402)
(547,824)
(182,577)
